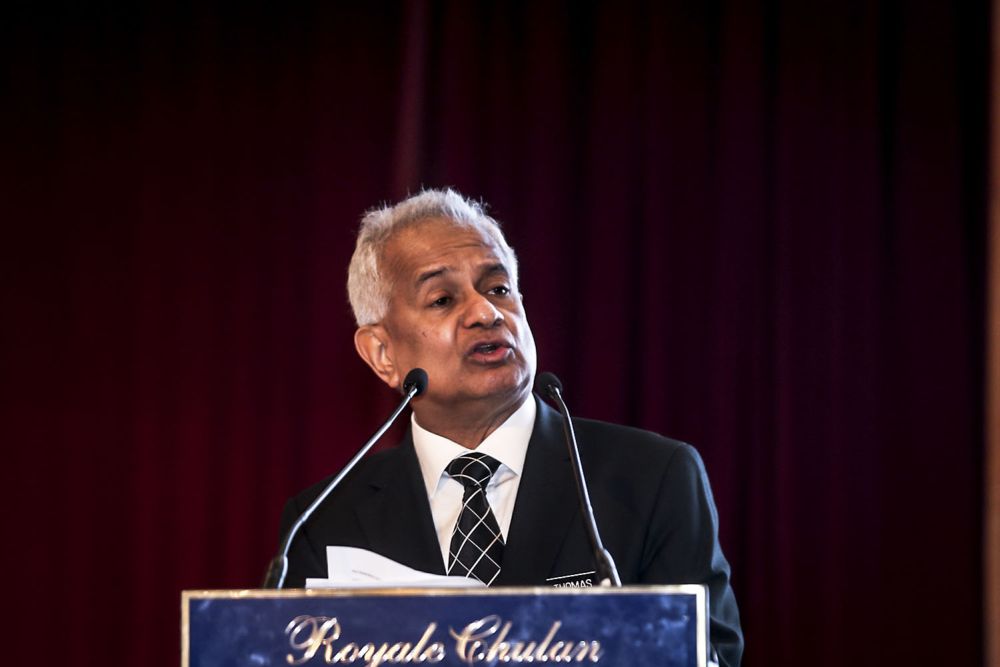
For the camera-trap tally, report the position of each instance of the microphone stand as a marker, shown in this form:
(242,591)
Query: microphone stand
(607,572)
(414,384)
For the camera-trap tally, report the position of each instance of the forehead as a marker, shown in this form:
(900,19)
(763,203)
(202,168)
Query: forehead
(437,242)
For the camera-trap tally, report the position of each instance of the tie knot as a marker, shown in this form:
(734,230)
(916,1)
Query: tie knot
(473,469)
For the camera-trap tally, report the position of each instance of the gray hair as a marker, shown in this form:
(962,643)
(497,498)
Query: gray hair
(367,287)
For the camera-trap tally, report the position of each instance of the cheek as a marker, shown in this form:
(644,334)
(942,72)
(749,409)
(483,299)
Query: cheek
(520,328)
(431,340)
(527,341)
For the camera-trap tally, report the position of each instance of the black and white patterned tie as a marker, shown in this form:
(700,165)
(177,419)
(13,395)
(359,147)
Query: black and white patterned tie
(476,543)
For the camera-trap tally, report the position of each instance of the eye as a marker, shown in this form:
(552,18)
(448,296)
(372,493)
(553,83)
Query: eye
(500,290)
(441,302)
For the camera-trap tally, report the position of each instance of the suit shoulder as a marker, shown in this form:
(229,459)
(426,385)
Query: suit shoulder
(366,470)
(594,434)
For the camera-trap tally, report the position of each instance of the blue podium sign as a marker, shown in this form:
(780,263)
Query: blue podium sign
(632,625)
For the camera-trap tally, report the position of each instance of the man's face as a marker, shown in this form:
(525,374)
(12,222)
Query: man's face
(454,312)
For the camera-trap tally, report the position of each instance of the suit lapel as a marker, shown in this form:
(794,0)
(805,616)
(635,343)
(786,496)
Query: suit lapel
(545,506)
(397,517)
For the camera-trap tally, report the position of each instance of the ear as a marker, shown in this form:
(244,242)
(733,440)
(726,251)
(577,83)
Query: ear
(374,345)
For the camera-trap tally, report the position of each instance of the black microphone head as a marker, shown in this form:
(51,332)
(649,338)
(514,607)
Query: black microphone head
(415,379)
(546,382)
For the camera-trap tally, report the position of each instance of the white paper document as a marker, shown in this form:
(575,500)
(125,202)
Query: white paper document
(349,567)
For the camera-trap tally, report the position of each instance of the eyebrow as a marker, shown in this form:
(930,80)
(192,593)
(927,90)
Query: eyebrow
(488,270)
(493,269)
(432,273)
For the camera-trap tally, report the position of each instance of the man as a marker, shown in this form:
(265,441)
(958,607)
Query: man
(434,285)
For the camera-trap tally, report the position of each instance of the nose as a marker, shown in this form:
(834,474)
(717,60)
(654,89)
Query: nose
(482,313)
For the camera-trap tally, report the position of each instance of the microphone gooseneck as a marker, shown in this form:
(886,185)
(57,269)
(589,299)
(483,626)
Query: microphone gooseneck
(607,572)
(414,384)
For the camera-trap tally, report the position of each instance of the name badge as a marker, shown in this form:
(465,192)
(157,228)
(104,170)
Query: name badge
(576,580)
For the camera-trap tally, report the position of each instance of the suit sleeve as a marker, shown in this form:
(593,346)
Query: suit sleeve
(683,547)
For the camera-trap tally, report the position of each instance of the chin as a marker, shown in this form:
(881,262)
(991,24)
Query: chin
(509,385)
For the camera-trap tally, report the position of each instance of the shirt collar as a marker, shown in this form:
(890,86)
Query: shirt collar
(508,445)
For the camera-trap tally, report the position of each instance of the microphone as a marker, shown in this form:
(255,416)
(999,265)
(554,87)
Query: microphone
(414,384)
(549,384)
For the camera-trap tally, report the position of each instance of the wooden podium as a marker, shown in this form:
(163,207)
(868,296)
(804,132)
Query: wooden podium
(632,625)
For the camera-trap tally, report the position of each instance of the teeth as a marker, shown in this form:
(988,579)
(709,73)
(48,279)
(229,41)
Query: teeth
(486,348)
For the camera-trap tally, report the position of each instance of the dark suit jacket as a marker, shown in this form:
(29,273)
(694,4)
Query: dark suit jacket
(650,495)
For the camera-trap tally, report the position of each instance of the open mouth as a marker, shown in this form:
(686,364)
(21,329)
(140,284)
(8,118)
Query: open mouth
(490,351)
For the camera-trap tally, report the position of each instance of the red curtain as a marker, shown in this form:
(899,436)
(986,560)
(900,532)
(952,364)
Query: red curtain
(757,227)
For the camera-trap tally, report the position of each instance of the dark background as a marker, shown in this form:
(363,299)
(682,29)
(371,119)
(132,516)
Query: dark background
(755,226)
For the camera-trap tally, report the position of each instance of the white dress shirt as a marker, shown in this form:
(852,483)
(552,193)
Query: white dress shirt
(508,445)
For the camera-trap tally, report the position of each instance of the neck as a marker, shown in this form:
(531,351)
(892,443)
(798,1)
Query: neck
(469,426)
